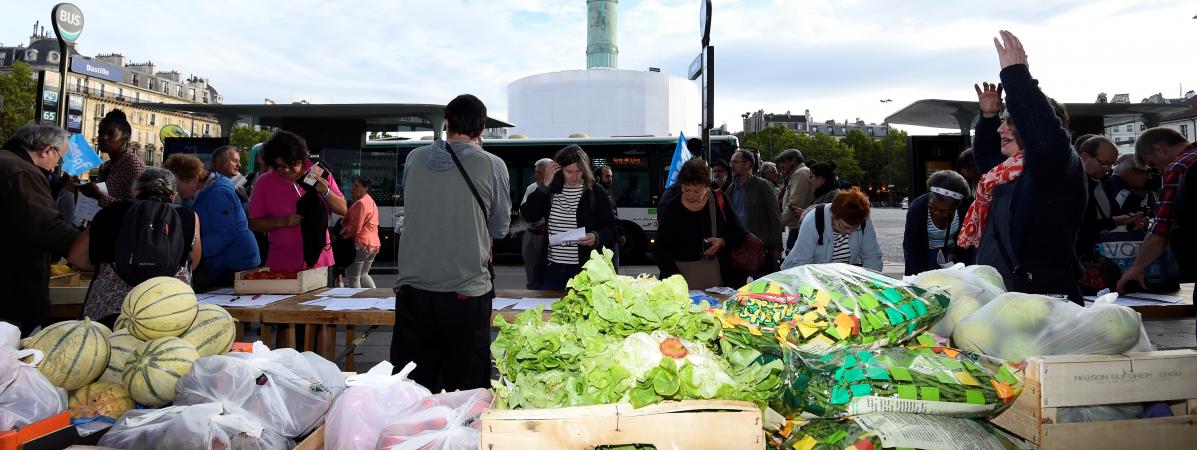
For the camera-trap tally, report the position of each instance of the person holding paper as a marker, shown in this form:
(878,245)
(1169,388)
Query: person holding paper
(32,229)
(571,201)
(122,167)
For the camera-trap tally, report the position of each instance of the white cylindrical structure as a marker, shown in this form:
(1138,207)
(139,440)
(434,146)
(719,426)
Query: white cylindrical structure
(603,103)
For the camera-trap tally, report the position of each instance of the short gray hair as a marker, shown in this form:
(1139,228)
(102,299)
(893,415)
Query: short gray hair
(543,162)
(158,184)
(1127,163)
(222,152)
(34,137)
(768,165)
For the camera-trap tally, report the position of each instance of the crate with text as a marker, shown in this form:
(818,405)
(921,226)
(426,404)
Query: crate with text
(1060,386)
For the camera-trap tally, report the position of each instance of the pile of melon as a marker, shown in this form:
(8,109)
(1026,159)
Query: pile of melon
(160,333)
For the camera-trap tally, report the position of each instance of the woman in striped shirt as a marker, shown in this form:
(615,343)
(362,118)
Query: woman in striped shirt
(838,232)
(570,201)
(933,223)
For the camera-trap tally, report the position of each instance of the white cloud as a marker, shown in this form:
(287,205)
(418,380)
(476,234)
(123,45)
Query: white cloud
(836,58)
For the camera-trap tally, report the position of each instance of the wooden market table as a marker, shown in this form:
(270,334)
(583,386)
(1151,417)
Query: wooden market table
(1171,311)
(280,320)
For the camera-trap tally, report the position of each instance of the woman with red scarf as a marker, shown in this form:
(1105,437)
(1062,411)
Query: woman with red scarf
(1031,200)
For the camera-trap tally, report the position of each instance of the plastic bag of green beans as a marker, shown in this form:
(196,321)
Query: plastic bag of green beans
(822,308)
(924,380)
(876,431)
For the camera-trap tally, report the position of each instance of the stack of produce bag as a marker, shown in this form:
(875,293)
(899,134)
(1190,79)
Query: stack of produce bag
(288,391)
(969,287)
(925,380)
(385,411)
(821,308)
(615,338)
(890,430)
(26,396)
(1015,326)
(194,427)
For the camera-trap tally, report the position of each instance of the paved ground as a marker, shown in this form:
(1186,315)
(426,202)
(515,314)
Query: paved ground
(889,223)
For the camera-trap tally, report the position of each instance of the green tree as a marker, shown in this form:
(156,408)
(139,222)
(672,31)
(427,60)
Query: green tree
(18,88)
(871,158)
(244,137)
(771,141)
(824,148)
(893,145)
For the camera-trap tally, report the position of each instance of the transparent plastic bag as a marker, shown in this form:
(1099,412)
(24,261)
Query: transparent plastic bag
(193,427)
(26,396)
(373,400)
(1014,326)
(926,380)
(821,308)
(439,426)
(968,291)
(288,391)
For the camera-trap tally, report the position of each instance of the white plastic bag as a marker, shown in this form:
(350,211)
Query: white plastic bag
(968,291)
(1014,326)
(192,427)
(373,400)
(26,396)
(288,391)
(1100,413)
(449,421)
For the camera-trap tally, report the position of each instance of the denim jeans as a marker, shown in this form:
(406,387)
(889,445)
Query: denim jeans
(357,275)
(554,276)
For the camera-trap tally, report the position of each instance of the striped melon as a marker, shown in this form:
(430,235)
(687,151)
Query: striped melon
(213,331)
(122,343)
(76,352)
(155,368)
(100,399)
(122,323)
(160,307)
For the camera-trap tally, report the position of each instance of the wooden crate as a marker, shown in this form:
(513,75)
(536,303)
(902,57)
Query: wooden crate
(306,281)
(314,441)
(699,424)
(1054,382)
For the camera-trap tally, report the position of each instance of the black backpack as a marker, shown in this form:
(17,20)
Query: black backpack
(1182,235)
(314,226)
(150,243)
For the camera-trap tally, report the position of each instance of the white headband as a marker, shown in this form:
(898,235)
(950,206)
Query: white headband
(947,193)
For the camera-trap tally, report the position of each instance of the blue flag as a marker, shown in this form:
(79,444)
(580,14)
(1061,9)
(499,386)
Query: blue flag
(681,154)
(80,157)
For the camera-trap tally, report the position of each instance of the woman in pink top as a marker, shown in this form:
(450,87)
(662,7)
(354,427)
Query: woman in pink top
(272,208)
(361,225)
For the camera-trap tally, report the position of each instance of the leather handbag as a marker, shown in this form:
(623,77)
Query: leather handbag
(749,256)
(704,273)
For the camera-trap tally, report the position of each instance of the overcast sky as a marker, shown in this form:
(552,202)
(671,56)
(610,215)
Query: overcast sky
(836,58)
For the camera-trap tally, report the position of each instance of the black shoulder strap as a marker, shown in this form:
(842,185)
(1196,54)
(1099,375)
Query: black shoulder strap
(469,182)
(819,222)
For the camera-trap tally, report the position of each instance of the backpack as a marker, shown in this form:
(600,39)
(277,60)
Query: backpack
(1183,232)
(150,243)
(313,227)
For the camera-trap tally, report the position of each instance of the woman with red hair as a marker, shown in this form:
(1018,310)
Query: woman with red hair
(838,232)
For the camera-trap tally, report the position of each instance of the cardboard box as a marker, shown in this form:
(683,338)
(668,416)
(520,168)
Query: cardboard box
(1054,382)
(305,281)
(685,424)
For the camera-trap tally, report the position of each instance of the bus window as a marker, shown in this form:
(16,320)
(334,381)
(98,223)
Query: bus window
(631,188)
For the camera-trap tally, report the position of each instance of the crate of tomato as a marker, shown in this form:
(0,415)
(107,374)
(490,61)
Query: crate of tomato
(266,281)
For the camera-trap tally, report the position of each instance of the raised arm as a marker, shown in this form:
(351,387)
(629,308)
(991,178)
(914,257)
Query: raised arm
(1046,145)
(987,145)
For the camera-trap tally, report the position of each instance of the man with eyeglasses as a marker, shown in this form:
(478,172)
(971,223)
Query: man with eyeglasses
(32,228)
(754,201)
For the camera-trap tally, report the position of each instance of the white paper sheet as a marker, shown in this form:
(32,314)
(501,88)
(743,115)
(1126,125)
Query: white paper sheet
(86,208)
(322,301)
(529,303)
(568,237)
(243,301)
(385,304)
(343,292)
(1141,299)
(360,304)
(722,291)
(503,302)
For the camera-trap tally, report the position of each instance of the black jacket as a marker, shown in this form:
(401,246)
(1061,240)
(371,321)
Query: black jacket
(30,230)
(915,241)
(594,213)
(1094,225)
(680,233)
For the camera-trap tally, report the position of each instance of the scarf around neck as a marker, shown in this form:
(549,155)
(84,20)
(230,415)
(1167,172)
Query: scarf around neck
(974,222)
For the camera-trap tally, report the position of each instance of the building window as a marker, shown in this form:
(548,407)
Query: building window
(54,57)
(165,88)
(206,129)
(193,95)
(137,97)
(1130,128)
(1184,130)
(78,84)
(101,89)
(100,110)
(151,81)
(120,92)
(31,55)
(1142,127)
(152,118)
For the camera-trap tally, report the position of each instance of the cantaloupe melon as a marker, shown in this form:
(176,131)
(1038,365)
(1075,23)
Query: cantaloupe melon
(160,307)
(76,352)
(213,331)
(122,323)
(122,343)
(155,368)
(100,399)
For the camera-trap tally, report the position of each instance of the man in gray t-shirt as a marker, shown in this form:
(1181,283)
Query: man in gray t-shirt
(444,290)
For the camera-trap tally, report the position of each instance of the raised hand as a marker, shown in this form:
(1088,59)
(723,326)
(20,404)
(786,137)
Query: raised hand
(990,97)
(1009,50)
